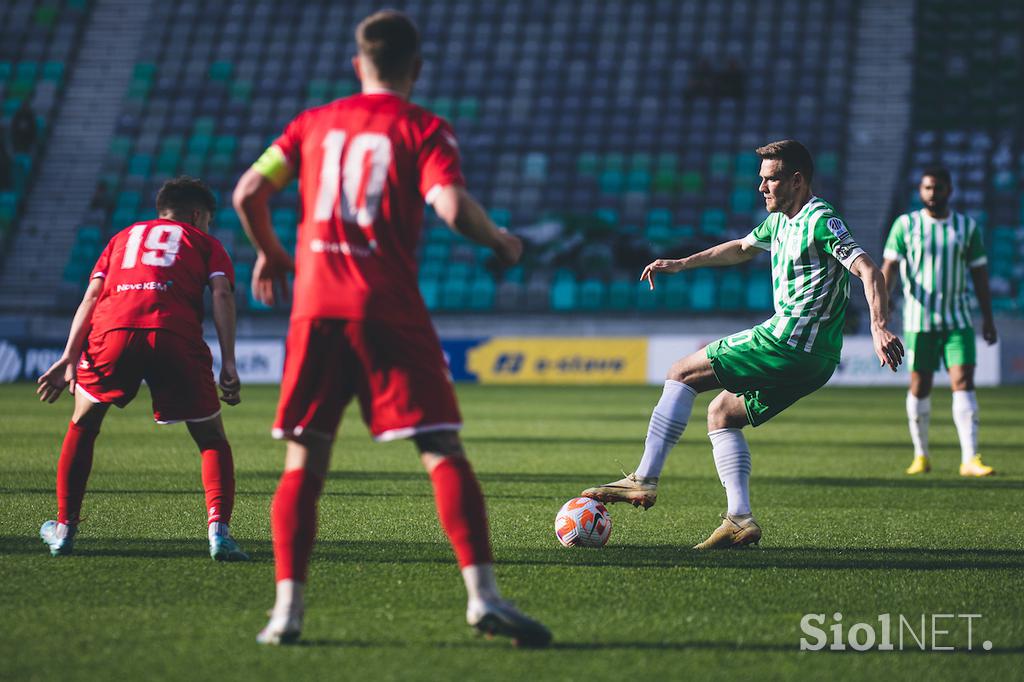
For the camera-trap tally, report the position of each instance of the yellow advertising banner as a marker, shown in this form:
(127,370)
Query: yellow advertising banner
(559,360)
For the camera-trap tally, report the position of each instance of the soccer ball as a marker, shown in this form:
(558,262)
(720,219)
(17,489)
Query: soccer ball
(583,522)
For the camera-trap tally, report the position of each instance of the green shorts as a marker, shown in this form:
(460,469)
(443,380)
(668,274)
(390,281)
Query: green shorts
(769,376)
(955,346)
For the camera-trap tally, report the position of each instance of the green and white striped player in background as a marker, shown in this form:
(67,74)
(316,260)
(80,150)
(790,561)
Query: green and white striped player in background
(766,369)
(935,249)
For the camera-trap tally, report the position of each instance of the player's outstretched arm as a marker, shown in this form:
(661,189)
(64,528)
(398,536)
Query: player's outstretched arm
(727,253)
(888,346)
(979,276)
(251,200)
(64,372)
(224,321)
(464,215)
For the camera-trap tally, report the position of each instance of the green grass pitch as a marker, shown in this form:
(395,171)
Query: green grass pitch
(845,531)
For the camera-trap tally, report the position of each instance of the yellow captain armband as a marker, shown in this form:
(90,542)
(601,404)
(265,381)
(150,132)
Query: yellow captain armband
(273,165)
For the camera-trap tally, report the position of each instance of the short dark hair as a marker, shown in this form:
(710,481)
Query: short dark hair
(939,173)
(184,194)
(794,157)
(391,41)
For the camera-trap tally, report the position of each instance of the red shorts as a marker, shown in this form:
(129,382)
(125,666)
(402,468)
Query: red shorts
(179,373)
(398,373)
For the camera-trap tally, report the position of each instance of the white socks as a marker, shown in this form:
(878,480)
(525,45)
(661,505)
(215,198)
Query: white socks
(480,583)
(668,421)
(919,413)
(965,416)
(289,601)
(217,528)
(732,459)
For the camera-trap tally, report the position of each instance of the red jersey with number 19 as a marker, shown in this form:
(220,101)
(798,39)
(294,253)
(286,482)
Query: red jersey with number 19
(155,275)
(365,165)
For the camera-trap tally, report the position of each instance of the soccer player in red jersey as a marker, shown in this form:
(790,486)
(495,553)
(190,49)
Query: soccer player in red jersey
(141,318)
(359,327)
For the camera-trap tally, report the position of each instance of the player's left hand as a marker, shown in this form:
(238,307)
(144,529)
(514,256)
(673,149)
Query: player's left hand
(988,332)
(888,347)
(230,386)
(62,373)
(666,265)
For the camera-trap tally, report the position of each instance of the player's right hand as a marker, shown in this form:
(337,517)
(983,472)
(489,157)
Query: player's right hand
(230,386)
(270,271)
(62,373)
(508,248)
(666,265)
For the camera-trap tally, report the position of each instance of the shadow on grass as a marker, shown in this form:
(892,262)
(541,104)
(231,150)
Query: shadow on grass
(618,556)
(694,645)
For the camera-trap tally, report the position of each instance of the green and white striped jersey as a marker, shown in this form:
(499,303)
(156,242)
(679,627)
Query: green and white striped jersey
(934,256)
(811,257)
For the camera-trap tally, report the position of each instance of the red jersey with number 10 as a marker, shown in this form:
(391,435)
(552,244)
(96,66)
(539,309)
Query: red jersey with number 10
(155,273)
(365,165)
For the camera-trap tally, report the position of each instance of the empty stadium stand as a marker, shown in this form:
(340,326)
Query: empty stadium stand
(968,114)
(607,133)
(39,41)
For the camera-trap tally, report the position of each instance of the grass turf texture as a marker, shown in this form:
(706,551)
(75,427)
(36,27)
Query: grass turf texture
(845,530)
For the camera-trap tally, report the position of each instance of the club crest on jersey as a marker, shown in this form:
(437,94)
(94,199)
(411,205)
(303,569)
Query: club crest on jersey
(836,227)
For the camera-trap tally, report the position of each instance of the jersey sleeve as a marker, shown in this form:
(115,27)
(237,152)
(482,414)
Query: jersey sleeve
(975,248)
(439,163)
(761,236)
(219,264)
(103,262)
(279,162)
(833,235)
(896,243)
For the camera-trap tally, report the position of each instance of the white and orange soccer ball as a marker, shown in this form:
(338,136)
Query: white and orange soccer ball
(583,522)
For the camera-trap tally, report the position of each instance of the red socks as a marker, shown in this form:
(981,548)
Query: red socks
(460,507)
(219,481)
(73,472)
(293,523)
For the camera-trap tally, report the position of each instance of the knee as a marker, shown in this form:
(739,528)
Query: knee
(727,411)
(442,443)
(720,417)
(679,372)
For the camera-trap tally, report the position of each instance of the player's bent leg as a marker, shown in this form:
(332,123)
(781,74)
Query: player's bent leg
(463,516)
(73,469)
(293,519)
(727,415)
(218,472)
(965,417)
(686,378)
(919,411)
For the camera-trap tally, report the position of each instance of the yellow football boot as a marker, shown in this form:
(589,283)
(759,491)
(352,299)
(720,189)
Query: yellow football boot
(920,465)
(735,531)
(974,467)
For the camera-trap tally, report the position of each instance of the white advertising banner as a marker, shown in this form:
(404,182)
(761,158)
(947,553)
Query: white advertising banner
(259,361)
(859,366)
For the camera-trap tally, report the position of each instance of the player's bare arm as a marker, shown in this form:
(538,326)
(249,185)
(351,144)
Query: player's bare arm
(727,253)
(889,270)
(888,346)
(64,372)
(463,214)
(251,200)
(224,321)
(979,276)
